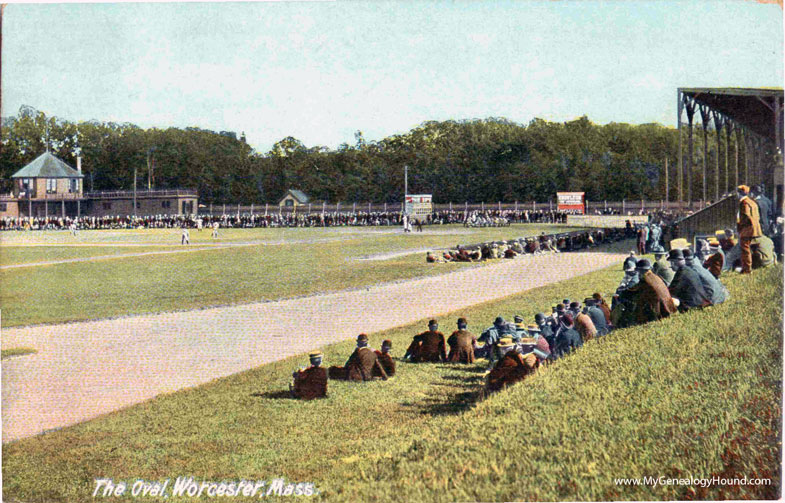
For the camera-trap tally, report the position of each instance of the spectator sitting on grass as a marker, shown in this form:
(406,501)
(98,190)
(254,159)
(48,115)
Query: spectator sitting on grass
(512,367)
(714,289)
(686,286)
(385,359)
(362,365)
(428,346)
(567,339)
(310,383)
(462,344)
(596,315)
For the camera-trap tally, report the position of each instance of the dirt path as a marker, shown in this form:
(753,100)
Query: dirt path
(85,369)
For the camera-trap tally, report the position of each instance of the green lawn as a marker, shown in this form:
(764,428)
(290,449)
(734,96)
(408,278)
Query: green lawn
(10,255)
(90,290)
(693,395)
(8,353)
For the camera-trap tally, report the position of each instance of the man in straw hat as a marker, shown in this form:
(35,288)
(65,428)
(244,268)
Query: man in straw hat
(310,383)
(748,226)
(716,259)
(512,367)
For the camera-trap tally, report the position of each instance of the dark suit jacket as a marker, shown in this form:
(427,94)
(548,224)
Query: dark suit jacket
(462,344)
(687,287)
(363,364)
(310,383)
(387,363)
(652,300)
(511,368)
(432,347)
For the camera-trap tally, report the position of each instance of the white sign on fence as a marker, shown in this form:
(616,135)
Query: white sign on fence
(418,205)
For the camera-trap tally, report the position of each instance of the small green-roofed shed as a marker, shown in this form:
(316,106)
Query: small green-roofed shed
(47,166)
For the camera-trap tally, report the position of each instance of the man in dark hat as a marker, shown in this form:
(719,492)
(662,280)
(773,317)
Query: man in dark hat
(362,365)
(512,367)
(652,300)
(686,286)
(662,267)
(567,339)
(583,323)
(491,335)
(462,344)
(428,346)
(385,360)
(310,383)
(546,331)
(714,289)
(748,226)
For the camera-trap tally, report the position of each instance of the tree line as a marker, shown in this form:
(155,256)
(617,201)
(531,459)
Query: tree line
(477,160)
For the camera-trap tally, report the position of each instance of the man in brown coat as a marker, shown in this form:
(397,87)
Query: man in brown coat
(748,226)
(428,346)
(652,300)
(604,307)
(462,344)
(584,325)
(385,359)
(512,367)
(312,382)
(716,260)
(362,365)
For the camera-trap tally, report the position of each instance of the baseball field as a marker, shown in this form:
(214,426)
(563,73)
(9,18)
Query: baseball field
(189,351)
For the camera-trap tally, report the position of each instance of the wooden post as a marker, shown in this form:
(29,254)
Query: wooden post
(500,205)
(265,209)
(690,108)
(679,106)
(224,210)
(251,208)
(704,111)
(62,201)
(718,124)
(623,209)
(385,206)
(516,205)
(666,179)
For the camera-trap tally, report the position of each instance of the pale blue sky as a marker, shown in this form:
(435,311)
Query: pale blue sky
(321,71)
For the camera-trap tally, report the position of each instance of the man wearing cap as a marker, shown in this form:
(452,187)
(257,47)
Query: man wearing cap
(662,267)
(762,252)
(491,335)
(630,276)
(596,315)
(686,286)
(362,365)
(462,344)
(567,339)
(312,382)
(428,346)
(385,360)
(512,367)
(652,301)
(714,289)
(748,226)
(716,260)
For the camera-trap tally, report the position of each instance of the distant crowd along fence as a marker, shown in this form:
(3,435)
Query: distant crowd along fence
(620,207)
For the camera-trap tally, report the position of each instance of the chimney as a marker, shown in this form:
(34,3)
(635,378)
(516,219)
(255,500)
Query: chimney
(79,163)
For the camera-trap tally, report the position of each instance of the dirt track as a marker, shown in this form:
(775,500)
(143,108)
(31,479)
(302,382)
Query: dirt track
(85,369)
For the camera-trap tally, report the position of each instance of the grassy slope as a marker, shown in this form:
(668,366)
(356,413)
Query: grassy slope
(90,290)
(654,400)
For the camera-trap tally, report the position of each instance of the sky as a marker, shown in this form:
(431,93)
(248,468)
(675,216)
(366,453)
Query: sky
(320,71)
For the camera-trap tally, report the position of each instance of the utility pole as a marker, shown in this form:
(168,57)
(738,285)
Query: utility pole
(134,190)
(666,180)
(405,181)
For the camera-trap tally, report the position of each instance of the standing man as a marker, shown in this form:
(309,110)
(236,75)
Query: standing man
(215,229)
(764,207)
(185,238)
(748,226)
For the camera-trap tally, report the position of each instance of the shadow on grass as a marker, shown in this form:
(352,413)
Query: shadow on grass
(274,395)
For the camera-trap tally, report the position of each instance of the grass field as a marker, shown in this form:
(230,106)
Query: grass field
(693,395)
(306,261)
(8,353)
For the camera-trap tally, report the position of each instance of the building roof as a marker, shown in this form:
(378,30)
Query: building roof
(47,166)
(749,107)
(299,195)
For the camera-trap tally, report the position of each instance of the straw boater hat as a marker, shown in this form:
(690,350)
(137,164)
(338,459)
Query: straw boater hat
(315,357)
(505,342)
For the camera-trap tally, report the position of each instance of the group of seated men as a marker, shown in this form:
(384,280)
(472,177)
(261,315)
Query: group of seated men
(533,245)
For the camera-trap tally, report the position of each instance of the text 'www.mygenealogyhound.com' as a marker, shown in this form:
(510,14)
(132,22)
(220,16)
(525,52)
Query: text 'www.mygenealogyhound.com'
(694,482)
(189,487)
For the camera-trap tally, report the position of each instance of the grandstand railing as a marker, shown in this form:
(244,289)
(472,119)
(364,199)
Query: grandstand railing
(720,215)
(124,194)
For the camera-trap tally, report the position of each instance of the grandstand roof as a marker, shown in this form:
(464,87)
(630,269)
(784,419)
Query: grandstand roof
(750,107)
(47,166)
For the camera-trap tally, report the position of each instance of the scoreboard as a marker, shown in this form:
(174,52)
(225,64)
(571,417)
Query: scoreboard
(418,206)
(574,202)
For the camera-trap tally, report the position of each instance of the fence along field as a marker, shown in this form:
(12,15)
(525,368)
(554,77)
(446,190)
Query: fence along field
(685,396)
